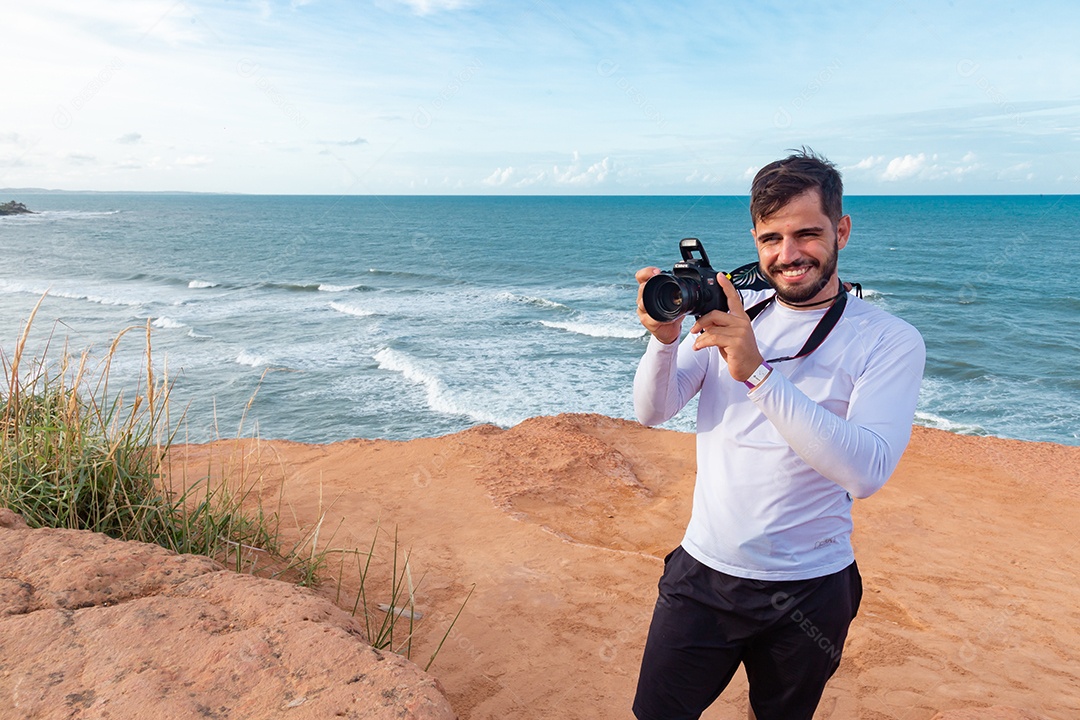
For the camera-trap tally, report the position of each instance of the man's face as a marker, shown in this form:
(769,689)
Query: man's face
(797,248)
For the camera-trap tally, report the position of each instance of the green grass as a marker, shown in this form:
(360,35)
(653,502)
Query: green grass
(75,453)
(382,627)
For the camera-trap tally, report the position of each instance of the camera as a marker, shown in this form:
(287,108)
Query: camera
(690,287)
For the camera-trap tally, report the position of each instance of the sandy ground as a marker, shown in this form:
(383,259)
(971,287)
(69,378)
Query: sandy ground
(558,525)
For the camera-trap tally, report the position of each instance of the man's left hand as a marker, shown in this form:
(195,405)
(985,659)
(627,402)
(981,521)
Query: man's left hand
(731,333)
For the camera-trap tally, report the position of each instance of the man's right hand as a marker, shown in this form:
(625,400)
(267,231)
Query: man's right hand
(666,333)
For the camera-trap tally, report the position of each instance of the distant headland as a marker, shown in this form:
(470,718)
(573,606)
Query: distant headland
(14,208)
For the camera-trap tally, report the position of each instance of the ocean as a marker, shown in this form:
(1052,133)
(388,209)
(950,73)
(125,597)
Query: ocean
(324,318)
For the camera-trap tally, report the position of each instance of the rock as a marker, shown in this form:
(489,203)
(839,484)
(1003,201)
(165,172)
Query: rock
(14,208)
(11,520)
(96,627)
(997,712)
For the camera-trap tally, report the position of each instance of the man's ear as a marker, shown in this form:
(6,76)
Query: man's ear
(843,231)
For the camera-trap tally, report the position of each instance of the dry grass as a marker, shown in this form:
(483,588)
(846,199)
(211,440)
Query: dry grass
(75,453)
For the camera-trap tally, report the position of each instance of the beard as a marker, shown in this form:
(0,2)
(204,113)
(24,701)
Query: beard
(803,293)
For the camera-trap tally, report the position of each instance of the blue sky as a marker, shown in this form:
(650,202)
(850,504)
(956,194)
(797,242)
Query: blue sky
(537,96)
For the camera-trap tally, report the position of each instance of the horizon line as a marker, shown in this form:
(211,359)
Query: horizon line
(61,191)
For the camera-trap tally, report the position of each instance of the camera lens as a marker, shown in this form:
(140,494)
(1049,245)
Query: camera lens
(666,297)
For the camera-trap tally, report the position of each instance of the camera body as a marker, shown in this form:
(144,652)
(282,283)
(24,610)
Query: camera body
(690,287)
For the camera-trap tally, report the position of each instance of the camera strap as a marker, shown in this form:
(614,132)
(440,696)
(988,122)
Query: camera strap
(821,331)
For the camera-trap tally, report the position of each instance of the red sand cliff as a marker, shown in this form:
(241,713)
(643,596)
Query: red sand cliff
(968,555)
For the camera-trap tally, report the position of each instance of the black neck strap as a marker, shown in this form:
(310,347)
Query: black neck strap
(821,331)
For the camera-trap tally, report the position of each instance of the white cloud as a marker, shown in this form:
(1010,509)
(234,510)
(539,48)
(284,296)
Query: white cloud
(265,11)
(930,167)
(212,80)
(1019,171)
(499,177)
(867,163)
(194,161)
(537,178)
(902,168)
(12,161)
(574,175)
(703,177)
(95,24)
(344,143)
(425,7)
(968,165)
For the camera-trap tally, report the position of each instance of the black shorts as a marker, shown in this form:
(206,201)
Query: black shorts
(789,635)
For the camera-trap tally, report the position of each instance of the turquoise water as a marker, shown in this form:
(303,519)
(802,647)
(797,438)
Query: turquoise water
(400,317)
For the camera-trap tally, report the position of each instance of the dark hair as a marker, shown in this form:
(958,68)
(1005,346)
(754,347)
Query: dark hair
(779,182)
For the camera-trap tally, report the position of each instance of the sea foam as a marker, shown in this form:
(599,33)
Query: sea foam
(596,330)
(530,300)
(439,397)
(250,359)
(69,294)
(164,322)
(351,310)
(937,422)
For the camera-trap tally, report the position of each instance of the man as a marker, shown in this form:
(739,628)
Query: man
(806,401)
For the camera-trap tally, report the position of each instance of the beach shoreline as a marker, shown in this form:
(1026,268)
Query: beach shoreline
(559,526)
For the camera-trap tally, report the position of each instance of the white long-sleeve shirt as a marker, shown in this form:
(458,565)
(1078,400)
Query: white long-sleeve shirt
(778,466)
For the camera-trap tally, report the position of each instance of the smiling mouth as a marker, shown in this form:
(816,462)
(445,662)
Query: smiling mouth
(793,272)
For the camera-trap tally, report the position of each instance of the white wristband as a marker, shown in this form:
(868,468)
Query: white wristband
(758,376)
